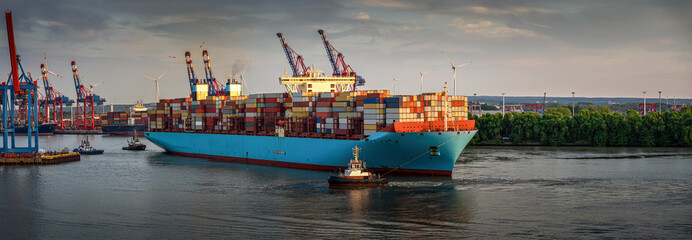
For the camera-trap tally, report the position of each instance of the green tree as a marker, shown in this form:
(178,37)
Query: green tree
(604,110)
(618,130)
(554,130)
(635,124)
(600,129)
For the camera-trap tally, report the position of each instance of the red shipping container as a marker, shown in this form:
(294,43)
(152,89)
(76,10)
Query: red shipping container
(329,99)
(301,104)
(323,115)
(270,100)
(273,110)
(340,131)
(324,104)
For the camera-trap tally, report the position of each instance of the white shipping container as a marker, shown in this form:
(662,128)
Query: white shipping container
(323,109)
(369,132)
(373,117)
(373,111)
(327,95)
(373,122)
(397,110)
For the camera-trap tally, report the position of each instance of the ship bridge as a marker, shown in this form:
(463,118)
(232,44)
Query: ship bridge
(316,81)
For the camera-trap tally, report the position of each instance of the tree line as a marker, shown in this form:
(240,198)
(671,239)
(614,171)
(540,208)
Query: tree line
(590,127)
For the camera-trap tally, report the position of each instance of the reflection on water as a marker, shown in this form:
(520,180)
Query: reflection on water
(495,192)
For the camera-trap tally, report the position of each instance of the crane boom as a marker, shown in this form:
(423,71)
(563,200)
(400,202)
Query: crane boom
(294,59)
(13,51)
(336,59)
(215,88)
(190,71)
(46,84)
(77,83)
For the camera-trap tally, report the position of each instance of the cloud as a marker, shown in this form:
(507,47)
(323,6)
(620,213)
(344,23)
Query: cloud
(394,4)
(362,16)
(509,10)
(488,29)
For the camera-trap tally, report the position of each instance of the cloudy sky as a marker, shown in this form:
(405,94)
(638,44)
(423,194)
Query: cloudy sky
(523,48)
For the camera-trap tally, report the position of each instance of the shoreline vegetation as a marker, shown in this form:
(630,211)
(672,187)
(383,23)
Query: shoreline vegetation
(599,127)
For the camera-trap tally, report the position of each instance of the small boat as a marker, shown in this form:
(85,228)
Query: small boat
(86,148)
(135,144)
(356,174)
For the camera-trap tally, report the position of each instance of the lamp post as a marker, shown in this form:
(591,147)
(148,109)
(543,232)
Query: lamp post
(644,92)
(544,102)
(659,101)
(503,104)
(572,104)
(474,100)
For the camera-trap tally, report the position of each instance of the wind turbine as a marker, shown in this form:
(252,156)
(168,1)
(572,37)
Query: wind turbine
(454,68)
(242,78)
(394,80)
(91,87)
(421,78)
(156,80)
(45,64)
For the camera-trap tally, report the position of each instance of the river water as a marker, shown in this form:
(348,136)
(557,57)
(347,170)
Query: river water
(495,192)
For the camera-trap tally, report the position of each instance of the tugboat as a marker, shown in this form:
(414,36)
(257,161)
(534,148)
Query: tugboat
(356,175)
(86,148)
(135,144)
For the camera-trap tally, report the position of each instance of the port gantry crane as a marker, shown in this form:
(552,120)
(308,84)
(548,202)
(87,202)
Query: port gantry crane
(53,98)
(88,98)
(308,79)
(338,64)
(295,60)
(19,91)
(215,88)
(190,69)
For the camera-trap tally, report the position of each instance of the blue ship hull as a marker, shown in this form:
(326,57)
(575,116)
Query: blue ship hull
(382,151)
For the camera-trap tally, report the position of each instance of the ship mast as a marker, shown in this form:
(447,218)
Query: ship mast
(446,110)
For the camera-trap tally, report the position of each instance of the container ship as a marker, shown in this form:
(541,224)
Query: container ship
(314,125)
(44,129)
(126,123)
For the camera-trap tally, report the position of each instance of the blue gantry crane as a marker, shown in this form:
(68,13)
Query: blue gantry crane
(339,66)
(85,120)
(215,88)
(54,100)
(18,92)
(190,69)
(295,60)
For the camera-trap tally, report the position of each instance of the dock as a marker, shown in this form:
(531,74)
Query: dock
(94,132)
(41,160)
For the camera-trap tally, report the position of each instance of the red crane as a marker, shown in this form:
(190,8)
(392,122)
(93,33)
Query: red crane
(88,99)
(54,99)
(215,88)
(339,66)
(21,92)
(192,78)
(294,59)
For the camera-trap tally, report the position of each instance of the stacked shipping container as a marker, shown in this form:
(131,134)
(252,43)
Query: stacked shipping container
(121,118)
(345,114)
